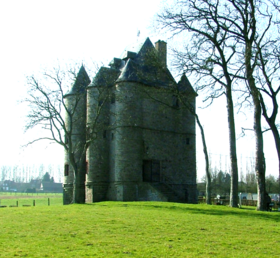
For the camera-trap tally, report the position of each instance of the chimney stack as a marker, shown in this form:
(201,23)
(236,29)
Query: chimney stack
(161,47)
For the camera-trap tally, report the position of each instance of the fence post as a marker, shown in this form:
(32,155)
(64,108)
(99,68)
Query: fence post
(49,202)
(17,203)
(33,202)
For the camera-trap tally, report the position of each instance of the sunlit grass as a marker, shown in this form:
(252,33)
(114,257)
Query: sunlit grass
(138,229)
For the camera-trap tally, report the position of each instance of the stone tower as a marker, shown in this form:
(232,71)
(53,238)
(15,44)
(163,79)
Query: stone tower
(75,120)
(144,146)
(100,95)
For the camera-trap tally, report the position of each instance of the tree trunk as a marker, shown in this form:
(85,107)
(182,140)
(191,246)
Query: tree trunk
(79,177)
(277,143)
(79,189)
(260,161)
(208,175)
(232,149)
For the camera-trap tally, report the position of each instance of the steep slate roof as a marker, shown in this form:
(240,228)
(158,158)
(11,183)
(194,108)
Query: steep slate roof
(131,72)
(105,77)
(146,68)
(139,63)
(185,85)
(146,52)
(80,84)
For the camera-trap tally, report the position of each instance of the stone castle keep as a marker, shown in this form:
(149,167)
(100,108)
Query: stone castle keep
(144,142)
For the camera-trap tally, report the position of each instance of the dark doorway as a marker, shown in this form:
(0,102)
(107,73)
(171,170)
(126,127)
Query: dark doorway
(151,171)
(147,170)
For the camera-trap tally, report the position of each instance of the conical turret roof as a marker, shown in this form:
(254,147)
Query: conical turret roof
(81,82)
(185,85)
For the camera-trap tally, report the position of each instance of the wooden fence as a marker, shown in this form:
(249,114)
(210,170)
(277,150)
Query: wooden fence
(24,203)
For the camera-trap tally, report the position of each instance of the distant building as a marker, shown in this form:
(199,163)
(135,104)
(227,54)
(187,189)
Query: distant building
(9,185)
(146,150)
(51,187)
(35,184)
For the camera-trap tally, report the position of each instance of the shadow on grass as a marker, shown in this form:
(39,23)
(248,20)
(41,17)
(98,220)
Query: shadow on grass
(243,212)
(198,209)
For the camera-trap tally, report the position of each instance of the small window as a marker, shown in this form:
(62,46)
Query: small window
(66,170)
(146,147)
(188,141)
(104,134)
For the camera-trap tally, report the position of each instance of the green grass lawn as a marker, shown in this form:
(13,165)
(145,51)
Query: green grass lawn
(138,229)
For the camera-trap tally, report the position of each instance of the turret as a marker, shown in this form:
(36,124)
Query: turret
(75,120)
(100,99)
(187,112)
(127,141)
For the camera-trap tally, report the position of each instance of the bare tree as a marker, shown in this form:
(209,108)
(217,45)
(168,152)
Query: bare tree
(207,169)
(59,113)
(234,38)
(252,26)
(267,74)
(209,55)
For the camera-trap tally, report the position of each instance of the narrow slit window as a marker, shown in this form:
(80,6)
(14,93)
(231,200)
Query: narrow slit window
(66,170)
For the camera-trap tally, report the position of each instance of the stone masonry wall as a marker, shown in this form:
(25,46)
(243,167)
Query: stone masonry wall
(98,116)
(126,143)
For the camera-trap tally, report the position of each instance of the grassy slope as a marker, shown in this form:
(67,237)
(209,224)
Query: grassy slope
(138,229)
